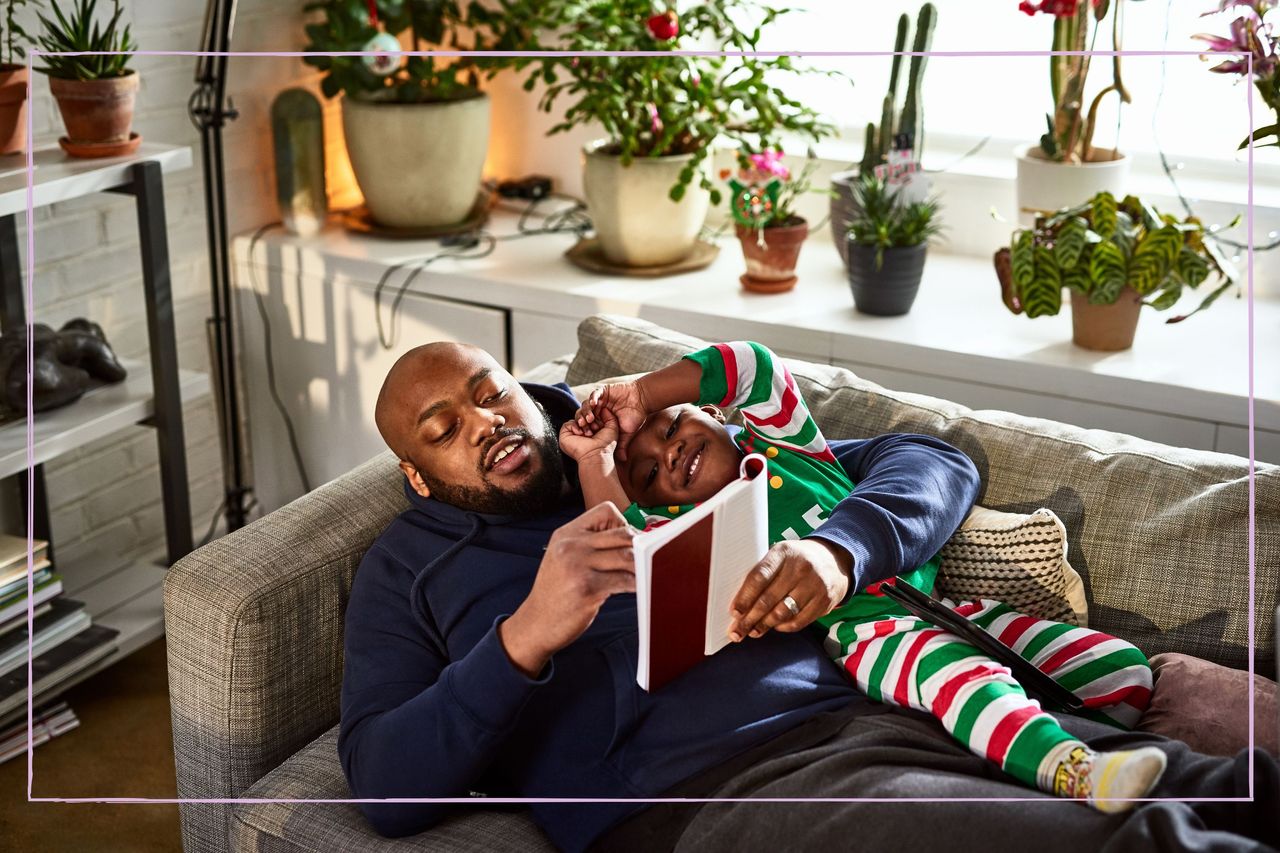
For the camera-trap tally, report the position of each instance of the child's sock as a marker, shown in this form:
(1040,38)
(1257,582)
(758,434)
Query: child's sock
(1074,771)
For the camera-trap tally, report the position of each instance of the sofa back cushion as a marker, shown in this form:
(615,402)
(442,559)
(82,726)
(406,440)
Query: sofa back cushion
(1159,534)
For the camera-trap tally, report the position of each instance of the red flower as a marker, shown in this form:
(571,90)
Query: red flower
(1057,8)
(664,27)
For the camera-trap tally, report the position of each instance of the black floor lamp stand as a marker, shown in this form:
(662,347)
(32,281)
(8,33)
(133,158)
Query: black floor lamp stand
(210,111)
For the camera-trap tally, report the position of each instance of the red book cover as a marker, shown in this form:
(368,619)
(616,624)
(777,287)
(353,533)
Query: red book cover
(681,570)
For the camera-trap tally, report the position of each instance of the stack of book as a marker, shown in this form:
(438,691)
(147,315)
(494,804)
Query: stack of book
(63,641)
(46,723)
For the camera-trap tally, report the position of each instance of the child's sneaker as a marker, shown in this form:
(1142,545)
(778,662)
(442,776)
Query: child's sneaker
(1109,781)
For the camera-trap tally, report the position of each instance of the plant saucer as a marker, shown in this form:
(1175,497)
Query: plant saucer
(89,150)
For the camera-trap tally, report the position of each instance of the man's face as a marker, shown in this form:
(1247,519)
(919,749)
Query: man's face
(471,436)
(680,455)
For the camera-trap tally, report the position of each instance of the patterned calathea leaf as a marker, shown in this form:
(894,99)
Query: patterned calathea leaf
(1078,279)
(1107,270)
(1166,297)
(1022,261)
(1104,214)
(1069,243)
(1191,267)
(1044,294)
(1154,258)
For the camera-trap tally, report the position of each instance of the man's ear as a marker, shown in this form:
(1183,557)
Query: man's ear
(415,479)
(714,411)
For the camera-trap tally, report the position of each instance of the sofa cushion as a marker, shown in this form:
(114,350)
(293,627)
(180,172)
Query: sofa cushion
(1017,558)
(1208,706)
(315,773)
(1159,534)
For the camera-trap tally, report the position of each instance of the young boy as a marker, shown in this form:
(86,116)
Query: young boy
(681,454)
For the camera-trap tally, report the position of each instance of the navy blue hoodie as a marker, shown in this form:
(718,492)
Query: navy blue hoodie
(432,706)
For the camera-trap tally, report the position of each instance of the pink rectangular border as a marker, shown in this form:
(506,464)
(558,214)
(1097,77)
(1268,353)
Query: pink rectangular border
(30,311)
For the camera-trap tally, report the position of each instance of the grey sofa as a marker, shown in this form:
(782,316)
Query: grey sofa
(254,620)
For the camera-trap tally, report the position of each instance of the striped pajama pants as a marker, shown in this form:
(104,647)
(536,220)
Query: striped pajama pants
(904,661)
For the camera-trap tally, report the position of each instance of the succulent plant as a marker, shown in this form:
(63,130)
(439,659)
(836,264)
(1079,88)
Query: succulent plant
(882,220)
(1103,246)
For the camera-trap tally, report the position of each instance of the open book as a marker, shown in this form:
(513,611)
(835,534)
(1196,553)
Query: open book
(689,570)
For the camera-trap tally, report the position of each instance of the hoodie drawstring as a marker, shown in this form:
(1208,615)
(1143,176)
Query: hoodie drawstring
(417,601)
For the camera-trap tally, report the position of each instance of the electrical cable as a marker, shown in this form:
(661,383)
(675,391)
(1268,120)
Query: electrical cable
(271,371)
(1164,160)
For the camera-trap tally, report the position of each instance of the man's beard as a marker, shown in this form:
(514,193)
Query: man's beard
(539,493)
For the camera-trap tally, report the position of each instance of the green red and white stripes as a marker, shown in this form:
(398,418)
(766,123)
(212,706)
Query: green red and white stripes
(747,376)
(907,662)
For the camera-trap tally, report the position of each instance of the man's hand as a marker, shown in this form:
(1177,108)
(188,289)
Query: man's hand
(587,560)
(814,573)
(625,400)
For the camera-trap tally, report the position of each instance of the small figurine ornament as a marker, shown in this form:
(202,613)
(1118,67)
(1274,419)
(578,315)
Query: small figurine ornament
(753,204)
(381,52)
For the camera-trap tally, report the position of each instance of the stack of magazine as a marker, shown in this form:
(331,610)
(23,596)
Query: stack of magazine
(46,723)
(63,642)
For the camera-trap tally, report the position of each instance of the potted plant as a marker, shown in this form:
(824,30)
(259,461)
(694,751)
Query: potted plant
(1065,166)
(888,241)
(417,129)
(1252,36)
(900,133)
(92,82)
(647,182)
(762,203)
(13,80)
(1113,258)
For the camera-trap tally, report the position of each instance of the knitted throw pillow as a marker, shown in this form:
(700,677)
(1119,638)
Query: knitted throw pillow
(1018,559)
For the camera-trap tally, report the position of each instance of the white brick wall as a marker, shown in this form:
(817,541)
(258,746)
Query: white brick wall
(105,498)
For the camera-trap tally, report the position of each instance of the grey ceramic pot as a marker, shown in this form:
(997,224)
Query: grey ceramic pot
(891,289)
(843,209)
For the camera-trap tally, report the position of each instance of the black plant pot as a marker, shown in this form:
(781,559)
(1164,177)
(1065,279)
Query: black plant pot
(890,290)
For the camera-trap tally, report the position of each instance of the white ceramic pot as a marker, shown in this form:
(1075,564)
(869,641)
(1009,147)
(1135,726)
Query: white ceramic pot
(1044,185)
(634,217)
(418,165)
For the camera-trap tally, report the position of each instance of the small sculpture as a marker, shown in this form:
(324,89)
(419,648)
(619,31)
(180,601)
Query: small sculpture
(64,364)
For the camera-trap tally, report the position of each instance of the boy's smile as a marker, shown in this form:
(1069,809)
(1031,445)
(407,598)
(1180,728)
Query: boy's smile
(680,455)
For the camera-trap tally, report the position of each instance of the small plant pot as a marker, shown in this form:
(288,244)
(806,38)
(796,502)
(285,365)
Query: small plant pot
(843,209)
(13,108)
(771,267)
(96,111)
(890,290)
(1043,185)
(1106,328)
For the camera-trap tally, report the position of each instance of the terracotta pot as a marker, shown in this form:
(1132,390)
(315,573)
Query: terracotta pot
(418,165)
(96,111)
(13,108)
(1044,185)
(771,267)
(1107,328)
(632,212)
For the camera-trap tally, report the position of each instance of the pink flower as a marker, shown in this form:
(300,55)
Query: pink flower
(664,27)
(1249,35)
(655,120)
(768,164)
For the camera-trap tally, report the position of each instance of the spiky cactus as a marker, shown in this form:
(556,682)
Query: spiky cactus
(910,120)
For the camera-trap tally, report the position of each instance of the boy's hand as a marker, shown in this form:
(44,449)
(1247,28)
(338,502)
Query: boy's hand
(579,443)
(624,401)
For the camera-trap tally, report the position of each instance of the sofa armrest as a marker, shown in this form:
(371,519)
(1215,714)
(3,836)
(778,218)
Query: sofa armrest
(254,626)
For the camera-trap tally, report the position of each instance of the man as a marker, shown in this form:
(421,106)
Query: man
(491,648)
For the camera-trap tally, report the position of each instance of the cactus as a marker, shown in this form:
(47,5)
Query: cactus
(880,139)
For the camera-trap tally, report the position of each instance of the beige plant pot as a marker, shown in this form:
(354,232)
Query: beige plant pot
(636,221)
(1106,328)
(13,108)
(96,111)
(1046,186)
(418,165)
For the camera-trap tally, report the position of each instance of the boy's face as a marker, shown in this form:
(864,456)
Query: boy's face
(680,455)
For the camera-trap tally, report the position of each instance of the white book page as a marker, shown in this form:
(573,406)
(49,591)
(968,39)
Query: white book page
(740,541)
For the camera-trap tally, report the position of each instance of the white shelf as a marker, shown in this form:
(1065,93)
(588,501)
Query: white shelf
(59,177)
(97,414)
(958,328)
